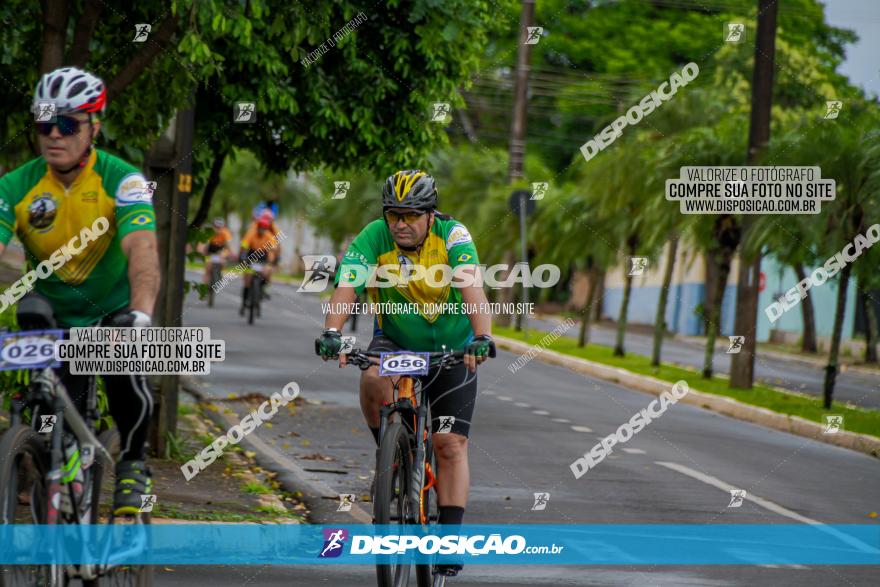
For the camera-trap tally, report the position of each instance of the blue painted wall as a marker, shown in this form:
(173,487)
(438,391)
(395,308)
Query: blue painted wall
(685,297)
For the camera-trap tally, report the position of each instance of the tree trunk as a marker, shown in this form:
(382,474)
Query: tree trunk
(584,333)
(713,318)
(619,350)
(808,342)
(155,44)
(709,296)
(210,188)
(831,368)
(870,325)
(85,28)
(599,295)
(55,15)
(660,320)
(296,264)
(742,364)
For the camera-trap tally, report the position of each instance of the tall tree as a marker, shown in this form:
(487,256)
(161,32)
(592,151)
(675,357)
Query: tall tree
(742,366)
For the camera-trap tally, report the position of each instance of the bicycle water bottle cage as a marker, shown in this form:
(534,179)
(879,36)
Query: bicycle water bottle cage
(34,312)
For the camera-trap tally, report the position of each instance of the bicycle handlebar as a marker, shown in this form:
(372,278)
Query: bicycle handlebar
(363,359)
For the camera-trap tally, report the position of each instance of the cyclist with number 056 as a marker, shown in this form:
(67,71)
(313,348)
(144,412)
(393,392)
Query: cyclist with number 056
(413,232)
(112,280)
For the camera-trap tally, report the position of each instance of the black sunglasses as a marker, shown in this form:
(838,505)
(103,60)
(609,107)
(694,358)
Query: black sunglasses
(67,126)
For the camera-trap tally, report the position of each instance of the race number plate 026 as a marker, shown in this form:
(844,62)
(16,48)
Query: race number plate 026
(403,363)
(29,349)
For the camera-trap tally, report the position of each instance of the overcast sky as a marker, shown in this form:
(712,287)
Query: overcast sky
(862,65)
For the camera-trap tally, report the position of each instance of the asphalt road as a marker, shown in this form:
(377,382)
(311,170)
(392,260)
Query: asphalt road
(527,429)
(855,387)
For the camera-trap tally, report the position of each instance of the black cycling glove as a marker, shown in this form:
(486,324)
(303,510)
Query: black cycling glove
(481,346)
(328,345)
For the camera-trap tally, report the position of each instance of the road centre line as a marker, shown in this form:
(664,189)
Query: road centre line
(768,505)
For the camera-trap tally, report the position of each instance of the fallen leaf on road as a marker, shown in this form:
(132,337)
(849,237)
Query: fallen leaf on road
(317,457)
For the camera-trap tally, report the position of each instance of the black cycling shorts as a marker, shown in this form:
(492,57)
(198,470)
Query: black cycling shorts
(452,392)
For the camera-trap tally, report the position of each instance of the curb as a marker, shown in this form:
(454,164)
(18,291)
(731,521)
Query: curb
(778,355)
(864,443)
(270,500)
(317,495)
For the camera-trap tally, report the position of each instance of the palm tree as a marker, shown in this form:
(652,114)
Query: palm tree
(853,160)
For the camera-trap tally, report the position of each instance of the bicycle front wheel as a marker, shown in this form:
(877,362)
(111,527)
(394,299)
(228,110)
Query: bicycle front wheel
(391,505)
(24,465)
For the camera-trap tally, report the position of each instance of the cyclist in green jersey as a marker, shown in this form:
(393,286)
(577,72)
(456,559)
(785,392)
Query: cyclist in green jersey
(72,190)
(411,233)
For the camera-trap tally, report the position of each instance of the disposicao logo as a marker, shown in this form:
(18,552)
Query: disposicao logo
(334,542)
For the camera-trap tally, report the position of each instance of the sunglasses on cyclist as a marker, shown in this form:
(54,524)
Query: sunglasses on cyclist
(67,126)
(408,217)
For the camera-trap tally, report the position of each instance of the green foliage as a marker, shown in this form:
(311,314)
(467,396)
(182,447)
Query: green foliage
(598,57)
(363,104)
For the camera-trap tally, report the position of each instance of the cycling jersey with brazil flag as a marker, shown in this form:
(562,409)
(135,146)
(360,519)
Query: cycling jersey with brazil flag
(45,216)
(448,243)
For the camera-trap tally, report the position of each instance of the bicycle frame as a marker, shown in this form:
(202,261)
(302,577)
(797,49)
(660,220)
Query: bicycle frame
(46,390)
(407,406)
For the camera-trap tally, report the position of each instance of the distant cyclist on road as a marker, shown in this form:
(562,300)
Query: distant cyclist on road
(412,232)
(218,244)
(260,245)
(115,279)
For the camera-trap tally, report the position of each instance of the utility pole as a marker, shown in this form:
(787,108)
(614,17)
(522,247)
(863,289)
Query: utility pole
(517,149)
(171,162)
(742,366)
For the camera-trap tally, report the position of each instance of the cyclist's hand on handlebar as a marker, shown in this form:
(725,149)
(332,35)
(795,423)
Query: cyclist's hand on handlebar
(328,345)
(131,318)
(478,350)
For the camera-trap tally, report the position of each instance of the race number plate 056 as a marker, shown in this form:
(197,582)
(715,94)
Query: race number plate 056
(29,349)
(403,363)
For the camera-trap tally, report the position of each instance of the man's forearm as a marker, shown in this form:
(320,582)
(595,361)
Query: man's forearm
(343,297)
(475,297)
(143,270)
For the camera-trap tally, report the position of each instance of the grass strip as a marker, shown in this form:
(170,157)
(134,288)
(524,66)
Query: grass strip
(855,419)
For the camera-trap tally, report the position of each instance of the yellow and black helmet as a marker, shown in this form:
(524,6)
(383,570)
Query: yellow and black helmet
(410,189)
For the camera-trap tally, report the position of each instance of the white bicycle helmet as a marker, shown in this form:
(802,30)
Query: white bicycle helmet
(71,90)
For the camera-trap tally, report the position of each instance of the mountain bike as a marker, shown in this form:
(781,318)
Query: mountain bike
(405,467)
(254,296)
(51,469)
(217,262)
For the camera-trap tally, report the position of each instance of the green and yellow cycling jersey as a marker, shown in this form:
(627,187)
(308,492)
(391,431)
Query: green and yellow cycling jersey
(426,329)
(89,280)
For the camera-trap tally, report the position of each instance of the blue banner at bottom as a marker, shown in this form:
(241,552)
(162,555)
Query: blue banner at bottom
(648,544)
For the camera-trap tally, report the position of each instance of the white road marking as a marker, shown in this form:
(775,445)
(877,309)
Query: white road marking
(562,420)
(488,392)
(634,451)
(540,413)
(522,405)
(504,398)
(581,429)
(768,505)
